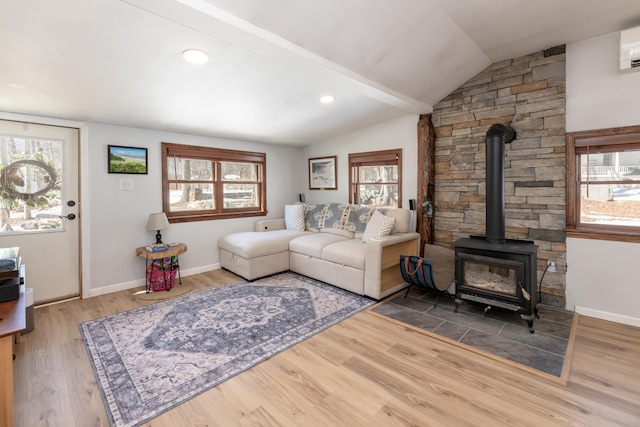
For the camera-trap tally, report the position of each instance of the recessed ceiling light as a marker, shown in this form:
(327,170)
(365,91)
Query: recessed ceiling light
(195,56)
(327,99)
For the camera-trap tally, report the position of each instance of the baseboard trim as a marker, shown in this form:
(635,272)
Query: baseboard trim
(618,318)
(141,282)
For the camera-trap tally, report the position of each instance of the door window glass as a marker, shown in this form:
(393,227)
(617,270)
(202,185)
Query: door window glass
(30,185)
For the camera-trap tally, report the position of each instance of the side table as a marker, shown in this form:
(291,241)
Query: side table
(173,251)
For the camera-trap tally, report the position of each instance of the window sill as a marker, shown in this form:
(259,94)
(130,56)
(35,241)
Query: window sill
(183,217)
(630,237)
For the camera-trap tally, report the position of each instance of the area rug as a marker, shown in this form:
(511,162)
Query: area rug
(498,334)
(153,358)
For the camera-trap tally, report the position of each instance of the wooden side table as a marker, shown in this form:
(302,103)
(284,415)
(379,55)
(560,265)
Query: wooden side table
(172,251)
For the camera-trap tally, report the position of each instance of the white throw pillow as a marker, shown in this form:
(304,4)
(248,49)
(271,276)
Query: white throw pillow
(379,225)
(294,217)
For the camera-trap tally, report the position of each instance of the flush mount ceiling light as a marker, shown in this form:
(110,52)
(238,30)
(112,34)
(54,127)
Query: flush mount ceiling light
(195,56)
(327,99)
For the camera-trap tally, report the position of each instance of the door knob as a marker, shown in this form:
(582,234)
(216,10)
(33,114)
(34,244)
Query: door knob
(70,216)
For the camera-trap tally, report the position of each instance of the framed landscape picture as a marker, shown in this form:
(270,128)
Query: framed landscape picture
(322,173)
(127,159)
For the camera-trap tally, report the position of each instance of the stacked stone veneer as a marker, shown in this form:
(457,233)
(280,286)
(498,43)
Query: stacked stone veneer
(529,93)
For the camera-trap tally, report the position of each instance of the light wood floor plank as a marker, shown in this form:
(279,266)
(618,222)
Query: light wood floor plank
(363,371)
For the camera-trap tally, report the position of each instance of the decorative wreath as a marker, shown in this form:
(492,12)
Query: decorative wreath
(10,190)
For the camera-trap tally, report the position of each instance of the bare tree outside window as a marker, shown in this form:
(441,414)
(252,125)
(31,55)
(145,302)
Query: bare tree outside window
(205,183)
(375,178)
(30,187)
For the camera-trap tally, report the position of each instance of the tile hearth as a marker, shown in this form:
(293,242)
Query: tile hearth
(499,332)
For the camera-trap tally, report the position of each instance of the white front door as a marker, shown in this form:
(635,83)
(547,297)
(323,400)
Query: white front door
(39,206)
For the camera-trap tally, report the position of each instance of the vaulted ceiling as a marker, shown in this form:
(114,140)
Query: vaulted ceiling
(119,61)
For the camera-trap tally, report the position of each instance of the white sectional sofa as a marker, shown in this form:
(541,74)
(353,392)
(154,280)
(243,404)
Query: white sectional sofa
(350,246)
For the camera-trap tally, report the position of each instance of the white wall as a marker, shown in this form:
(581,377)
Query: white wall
(117,222)
(598,96)
(397,133)
(602,280)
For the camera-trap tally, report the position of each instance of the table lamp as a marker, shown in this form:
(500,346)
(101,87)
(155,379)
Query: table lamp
(158,221)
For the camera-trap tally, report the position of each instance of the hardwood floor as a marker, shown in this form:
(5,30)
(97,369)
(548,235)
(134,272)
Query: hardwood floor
(363,371)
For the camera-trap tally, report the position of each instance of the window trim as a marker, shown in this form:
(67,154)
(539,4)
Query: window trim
(375,158)
(609,138)
(216,155)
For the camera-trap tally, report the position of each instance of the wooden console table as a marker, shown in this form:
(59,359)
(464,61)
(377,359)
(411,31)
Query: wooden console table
(13,322)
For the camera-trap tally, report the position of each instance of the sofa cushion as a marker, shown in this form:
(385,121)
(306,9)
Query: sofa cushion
(403,220)
(379,225)
(313,244)
(252,244)
(338,232)
(294,217)
(351,252)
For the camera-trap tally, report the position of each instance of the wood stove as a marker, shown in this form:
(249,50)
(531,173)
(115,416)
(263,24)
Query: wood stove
(492,270)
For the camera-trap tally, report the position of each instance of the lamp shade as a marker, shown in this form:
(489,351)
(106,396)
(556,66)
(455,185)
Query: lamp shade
(157,221)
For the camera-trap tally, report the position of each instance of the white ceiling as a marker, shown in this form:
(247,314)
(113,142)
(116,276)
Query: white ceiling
(119,61)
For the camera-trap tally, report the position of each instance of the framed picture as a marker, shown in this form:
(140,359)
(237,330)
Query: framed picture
(127,159)
(322,173)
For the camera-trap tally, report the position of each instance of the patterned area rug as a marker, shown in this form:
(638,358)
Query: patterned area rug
(153,358)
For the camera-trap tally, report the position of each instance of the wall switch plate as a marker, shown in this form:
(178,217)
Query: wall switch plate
(125,184)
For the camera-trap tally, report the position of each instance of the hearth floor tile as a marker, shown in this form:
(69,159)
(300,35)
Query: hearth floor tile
(538,339)
(515,351)
(484,324)
(451,330)
(409,316)
(412,303)
(556,315)
(432,297)
(548,327)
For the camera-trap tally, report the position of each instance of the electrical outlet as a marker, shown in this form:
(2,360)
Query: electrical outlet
(125,184)
(552,267)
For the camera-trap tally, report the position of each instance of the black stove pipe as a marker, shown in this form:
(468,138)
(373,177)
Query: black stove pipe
(496,138)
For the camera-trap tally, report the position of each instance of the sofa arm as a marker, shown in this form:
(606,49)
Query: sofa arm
(392,239)
(382,274)
(269,225)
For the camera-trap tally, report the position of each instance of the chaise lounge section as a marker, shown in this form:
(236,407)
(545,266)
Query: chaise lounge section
(354,247)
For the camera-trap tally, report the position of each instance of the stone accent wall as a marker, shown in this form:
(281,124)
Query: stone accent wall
(529,94)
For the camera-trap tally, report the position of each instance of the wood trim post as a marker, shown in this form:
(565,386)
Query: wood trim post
(426,179)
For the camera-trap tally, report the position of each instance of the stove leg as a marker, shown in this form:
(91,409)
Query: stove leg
(535,311)
(529,319)
(457,302)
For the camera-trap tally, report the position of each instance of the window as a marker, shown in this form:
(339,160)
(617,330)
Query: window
(31,187)
(204,183)
(375,178)
(603,184)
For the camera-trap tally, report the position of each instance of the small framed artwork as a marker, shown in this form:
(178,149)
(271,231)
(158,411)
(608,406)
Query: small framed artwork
(127,159)
(322,173)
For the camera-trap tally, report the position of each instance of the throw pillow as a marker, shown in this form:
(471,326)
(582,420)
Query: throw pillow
(378,226)
(294,217)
